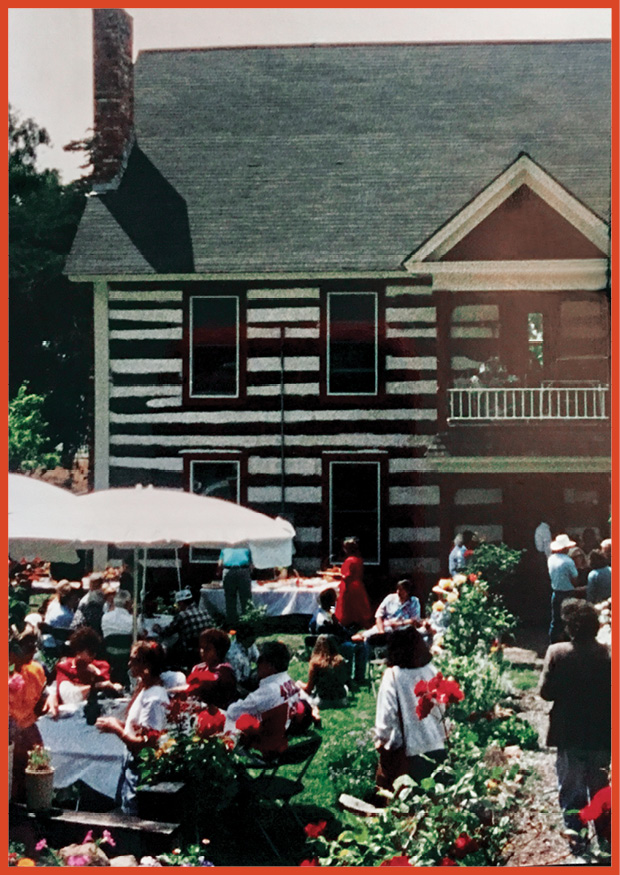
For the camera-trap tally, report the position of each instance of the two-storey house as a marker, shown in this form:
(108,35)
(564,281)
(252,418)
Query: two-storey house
(363,286)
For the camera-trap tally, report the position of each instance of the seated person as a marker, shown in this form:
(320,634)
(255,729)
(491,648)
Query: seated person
(274,703)
(76,675)
(213,680)
(118,620)
(60,612)
(91,606)
(354,649)
(327,675)
(400,608)
(241,655)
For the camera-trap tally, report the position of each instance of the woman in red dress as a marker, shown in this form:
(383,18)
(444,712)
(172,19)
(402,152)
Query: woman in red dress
(353,605)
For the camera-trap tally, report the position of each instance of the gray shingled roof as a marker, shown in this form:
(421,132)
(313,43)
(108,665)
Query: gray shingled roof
(326,158)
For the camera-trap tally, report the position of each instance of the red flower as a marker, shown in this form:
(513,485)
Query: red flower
(464,845)
(210,724)
(472,578)
(423,707)
(312,862)
(248,724)
(314,830)
(447,861)
(397,861)
(449,692)
(151,737)
(599,805)
(177,709)
(421,688)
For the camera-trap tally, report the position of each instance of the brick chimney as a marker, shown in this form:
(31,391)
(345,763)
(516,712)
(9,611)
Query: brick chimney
(113,93)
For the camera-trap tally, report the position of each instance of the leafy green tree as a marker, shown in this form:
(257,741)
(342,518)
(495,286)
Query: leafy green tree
(50,322)
(28,433)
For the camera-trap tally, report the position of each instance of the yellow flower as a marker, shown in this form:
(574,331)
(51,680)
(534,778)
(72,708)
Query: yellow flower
(492,786)
(459,579)
(446,583)
(452,597)
(438,606)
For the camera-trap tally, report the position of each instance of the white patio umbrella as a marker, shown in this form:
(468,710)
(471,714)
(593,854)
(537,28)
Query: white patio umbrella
(39,516)
(153,517)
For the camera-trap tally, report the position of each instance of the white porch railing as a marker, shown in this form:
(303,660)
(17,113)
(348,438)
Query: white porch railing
(475,404)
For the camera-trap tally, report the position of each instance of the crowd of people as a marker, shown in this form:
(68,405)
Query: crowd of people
(225,672)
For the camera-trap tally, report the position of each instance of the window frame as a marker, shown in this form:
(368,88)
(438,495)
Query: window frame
(351,398)
(239,457)
(381,460)
(190,399)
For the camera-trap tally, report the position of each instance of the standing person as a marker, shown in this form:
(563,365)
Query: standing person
(187,625)
(397,725)
(147,710)
(576,677)
(543,538)
(598,588)
(353,605)
(564,575)
(606,549)
(235,566)
(26,703)
(464,545)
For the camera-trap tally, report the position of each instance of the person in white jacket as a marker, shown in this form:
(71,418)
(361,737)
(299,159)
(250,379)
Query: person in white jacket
(397,725)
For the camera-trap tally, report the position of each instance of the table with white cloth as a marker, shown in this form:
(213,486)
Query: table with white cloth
(82,753)
(280,598)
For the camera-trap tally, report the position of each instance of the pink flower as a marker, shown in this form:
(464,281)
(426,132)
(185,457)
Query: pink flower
(314,830)
(248,723)
(210,724)
(447,861)
(78,860)
(464,845)
(41,845)
(16,683)
(397,861)
(87,838)
(107,839)
(312,862)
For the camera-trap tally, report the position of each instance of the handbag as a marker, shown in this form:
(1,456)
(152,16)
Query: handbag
(393,762)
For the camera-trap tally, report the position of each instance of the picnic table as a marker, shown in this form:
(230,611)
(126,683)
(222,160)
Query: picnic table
(279,597)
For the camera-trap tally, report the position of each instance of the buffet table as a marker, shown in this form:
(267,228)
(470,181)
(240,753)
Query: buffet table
(280,598)
(81,753)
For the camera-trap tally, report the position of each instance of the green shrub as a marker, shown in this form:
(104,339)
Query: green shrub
(481,676)
(477,618)
(352,764)
(511,730)
(496,564)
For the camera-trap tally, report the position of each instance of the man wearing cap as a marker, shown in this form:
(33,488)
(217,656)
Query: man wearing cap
(187,625)
(563,573)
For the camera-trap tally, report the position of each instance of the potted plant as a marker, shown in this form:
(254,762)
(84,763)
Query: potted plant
(39,779)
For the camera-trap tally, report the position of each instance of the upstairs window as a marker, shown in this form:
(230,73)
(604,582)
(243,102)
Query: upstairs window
(214,346)
(535,341)
(352,343)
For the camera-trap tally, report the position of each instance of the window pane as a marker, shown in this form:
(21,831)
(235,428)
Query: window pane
(352,347)
(535,339)
(217,479)
(214,339)
(354,506)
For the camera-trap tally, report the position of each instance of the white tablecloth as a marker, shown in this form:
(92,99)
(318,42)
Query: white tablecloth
(81,752)
(281,601)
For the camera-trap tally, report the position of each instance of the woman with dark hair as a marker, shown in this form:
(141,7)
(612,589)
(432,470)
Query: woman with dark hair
(77,674)
(398,609)
(353,605)
(147,711)
(327,675)
(406,744)
(598,588)
(213,680)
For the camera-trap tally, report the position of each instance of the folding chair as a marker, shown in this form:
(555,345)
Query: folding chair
(269,786)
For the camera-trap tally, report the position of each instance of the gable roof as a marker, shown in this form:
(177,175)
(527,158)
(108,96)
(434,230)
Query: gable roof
(327,158)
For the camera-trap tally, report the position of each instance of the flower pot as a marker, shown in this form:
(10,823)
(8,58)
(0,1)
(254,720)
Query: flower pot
(39,789)
(11,748)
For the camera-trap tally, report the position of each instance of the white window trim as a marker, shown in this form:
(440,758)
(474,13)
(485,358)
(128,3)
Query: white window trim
(193,394)
(331,515)
(328,372)
(191,481)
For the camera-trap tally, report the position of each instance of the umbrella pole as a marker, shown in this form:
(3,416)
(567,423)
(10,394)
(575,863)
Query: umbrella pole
(176,558)
(136,572)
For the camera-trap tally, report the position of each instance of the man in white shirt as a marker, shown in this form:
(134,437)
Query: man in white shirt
(274,702)
(542,538)
(118,621)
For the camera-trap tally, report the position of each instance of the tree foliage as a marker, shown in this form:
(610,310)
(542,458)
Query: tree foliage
(50,323)
(29,444)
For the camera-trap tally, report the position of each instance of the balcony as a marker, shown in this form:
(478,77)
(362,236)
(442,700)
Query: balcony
(544,403)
